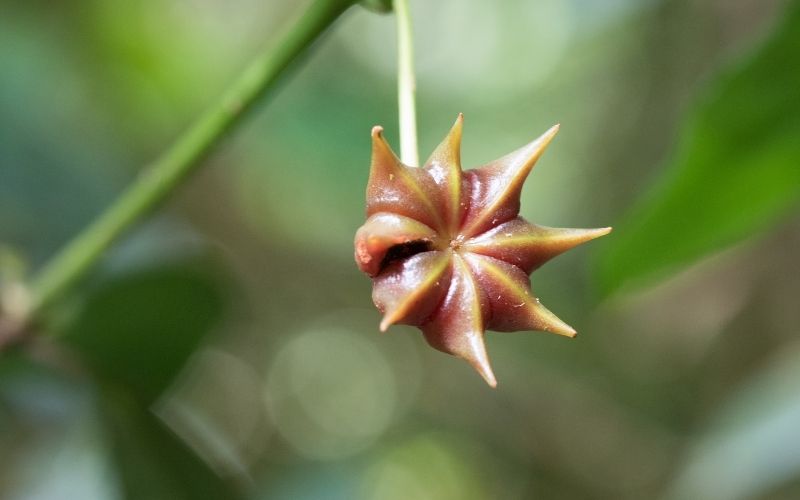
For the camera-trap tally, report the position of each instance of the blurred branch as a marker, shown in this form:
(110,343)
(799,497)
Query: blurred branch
(13,306)
(406,85)
(169,170)
(377,5)
(8,332)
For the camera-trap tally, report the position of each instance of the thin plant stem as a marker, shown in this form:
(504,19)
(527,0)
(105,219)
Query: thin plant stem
(182,158)
(406,85)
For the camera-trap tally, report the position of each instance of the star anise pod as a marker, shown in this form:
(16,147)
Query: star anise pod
(447,251)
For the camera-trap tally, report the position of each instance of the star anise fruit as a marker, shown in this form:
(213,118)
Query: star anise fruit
(447,251)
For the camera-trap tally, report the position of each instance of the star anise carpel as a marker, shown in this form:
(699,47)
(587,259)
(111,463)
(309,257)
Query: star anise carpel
(447,250)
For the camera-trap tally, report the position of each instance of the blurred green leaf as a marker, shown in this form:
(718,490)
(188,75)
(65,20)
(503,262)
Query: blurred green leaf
(152,462)
(135,333)
(736,171)
(50,446)
(138,330)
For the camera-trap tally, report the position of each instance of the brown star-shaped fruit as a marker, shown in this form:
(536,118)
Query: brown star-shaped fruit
(447,251)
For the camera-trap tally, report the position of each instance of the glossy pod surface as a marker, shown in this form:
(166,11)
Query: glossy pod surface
(447,250)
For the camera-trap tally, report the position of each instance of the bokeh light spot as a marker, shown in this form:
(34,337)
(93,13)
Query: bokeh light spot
(330,393)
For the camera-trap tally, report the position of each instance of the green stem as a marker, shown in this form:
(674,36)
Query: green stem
(169,170)
(406,85)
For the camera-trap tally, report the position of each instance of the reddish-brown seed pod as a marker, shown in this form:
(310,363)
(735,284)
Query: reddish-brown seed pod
(447,250)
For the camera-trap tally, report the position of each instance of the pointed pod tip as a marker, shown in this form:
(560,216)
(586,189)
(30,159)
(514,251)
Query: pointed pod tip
(391,317)
(447,154)
(474,353)
(382,153)
(591,234)
(576,237)
(533,150)
(563,239)
(551,132)
(559,327)
(458,126)
(544,320)
(482,366)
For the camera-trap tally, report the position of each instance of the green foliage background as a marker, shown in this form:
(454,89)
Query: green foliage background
(228,348)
